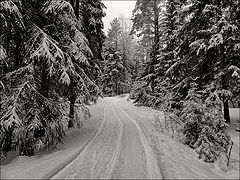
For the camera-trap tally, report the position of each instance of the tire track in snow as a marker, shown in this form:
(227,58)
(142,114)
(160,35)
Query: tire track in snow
(131,163)
(111,151)
(152,139)
(59,168)
(152,165)
(99,156)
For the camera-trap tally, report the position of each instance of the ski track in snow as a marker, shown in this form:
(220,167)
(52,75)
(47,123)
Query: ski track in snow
(120,149)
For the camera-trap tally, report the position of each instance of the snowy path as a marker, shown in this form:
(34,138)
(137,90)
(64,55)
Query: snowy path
(119,150)
(120,141)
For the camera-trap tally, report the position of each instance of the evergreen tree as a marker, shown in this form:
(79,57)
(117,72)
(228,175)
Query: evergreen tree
(116,78)
(44,54)
(92,12)
(197,71)
(207,52)
(143,25)
(146,18)
(114,34)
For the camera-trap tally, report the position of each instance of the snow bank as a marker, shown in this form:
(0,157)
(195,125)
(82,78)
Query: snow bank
(235,114)
(44,165)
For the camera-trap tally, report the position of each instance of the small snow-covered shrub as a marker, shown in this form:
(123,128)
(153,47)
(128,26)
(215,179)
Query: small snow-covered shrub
(167,124)
(204,125)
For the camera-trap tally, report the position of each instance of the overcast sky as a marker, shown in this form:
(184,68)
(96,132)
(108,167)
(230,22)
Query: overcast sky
(115,9)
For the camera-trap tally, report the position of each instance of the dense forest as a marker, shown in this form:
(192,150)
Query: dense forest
(179,56)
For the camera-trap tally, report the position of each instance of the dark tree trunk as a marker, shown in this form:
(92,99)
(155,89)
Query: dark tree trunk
(75,4)
(26,148)
(152,87)
(156,29)
(224,83)
(45,85)
(77,9)
(226,111)
(116,88)
(72,2)
(156,44)
(18,51)
(72,100)
(225,100)
(116,43)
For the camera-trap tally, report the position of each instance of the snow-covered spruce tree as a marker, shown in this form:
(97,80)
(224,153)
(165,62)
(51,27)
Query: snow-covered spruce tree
(138,57)
(92,12)
(27,114)
(208,50)
(165,25)
(143,24)
(204,125)
(31,114)
(145,18)
(114,34)
(81,89)
(207,55)
(116,77)
(169,24)
(154,11)
(164,21)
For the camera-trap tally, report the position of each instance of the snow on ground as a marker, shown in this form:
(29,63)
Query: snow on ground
(235,114)
(178,161)
(119,150)
(45,165)
(125,145)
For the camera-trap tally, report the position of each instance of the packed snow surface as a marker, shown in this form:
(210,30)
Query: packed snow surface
(120,141)
(119,150)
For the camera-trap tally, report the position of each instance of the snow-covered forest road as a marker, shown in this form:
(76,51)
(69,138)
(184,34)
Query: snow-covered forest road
(120,140)
(119,149)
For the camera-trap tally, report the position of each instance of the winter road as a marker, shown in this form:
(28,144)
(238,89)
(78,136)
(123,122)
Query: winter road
(119,149)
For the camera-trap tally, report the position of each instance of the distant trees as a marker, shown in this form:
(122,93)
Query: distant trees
(146,25)
(117,74)
(44,62)
(114,34)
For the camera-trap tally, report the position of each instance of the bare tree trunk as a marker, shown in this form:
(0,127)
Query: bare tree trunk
(224,83)
(75,4)
(45,85)
(72,2)
(72,100)
(156,29)
(226,111)
(156,43)
(17,51)
(77,9)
